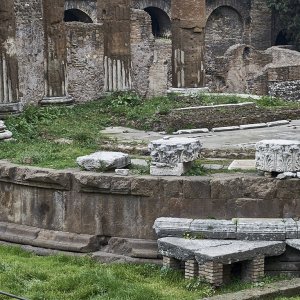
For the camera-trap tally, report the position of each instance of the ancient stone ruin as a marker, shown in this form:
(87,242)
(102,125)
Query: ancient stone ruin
(57,52)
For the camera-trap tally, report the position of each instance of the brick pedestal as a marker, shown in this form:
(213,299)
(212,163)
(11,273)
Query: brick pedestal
(254,270)
(191,269)
(172,263)
(212,273)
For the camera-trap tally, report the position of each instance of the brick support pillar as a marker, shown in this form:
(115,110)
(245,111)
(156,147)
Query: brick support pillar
(212,273)
(254,269)
(56,83)
(9,87)
(191,269)
(172,263)
(188,23)
(115,16)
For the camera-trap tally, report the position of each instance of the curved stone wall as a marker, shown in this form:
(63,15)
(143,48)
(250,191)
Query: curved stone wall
(110,205)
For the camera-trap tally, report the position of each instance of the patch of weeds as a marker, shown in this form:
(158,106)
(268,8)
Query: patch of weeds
(197,170)
(271,102)
(193,236)
(200,286)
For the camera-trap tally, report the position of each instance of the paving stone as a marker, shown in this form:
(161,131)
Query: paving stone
(136,162)
(261,229)
(213,229)
(171,226)
(213,166)
(192,131)
(103,160)
(157,169)
(244,164)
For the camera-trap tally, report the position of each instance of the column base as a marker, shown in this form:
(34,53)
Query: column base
(8,109)
(65,100)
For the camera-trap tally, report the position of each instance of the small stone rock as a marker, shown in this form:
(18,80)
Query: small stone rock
(122,172)
(298,174)
(103,160)
(286,175)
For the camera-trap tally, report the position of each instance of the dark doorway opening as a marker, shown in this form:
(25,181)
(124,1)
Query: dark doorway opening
(77,15)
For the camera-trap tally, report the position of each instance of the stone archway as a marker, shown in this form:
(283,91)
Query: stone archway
(224,28)
(161,23)
(76,15)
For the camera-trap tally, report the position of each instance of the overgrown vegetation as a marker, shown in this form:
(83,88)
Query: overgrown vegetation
(74,278)
(289,12)
(54,136)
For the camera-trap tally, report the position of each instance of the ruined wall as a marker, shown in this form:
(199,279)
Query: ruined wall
(9,81)
(188,23)
(164,5)
(85,61)
(117,56)
(160,75)
(261,25)
(110,205)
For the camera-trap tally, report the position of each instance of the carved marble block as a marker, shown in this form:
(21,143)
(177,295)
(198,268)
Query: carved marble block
(173,157)
(278,156)
(4,133)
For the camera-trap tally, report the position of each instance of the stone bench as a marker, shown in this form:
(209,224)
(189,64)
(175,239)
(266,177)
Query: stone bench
(212,260)
(173,156)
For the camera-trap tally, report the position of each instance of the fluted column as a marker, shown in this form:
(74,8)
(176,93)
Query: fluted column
(188,23)
(115,16)
(55,61)
(9,88)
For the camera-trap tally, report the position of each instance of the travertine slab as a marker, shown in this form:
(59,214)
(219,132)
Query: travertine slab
(278,156)
(172,226)
(261,229)
(222,251)
(103,160)
(213,229)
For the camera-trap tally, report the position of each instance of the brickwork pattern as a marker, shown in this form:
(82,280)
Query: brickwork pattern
(191,269)
(254,269)
(211,272)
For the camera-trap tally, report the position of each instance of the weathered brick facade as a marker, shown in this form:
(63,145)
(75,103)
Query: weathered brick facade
(127,44)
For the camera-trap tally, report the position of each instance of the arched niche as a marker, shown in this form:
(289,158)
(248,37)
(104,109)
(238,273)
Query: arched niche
(76,15)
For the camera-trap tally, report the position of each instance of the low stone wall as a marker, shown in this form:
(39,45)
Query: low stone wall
(109,205)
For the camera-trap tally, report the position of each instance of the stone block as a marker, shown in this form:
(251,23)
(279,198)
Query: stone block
(278,156)
(171,226)
(213,229)
(227,128)
(158,169)
(122,172)
(278,123)
(253,126)
(174,150)
(101,161)
(291,228)
(261,229)
(242,164)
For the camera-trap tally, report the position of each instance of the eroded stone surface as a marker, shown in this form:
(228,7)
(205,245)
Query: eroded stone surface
(278,156)
(172,226)
(104,161)
(170,156)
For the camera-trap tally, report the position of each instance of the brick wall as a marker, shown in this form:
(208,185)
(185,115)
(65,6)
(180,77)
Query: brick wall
(85,60)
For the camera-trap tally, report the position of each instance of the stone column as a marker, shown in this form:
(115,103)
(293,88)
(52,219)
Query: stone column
(56,83)
(9,89)
(115,16)
(188,23)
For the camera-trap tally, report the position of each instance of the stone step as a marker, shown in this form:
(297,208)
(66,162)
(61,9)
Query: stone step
(58,240)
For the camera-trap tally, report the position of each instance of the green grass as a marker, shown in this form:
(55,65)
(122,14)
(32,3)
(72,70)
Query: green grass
(37,130)
(73,278)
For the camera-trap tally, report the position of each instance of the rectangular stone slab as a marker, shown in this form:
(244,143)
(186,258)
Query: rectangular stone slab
(172,226)
(235,251)
(213,229)
(261,229)
(222,251)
